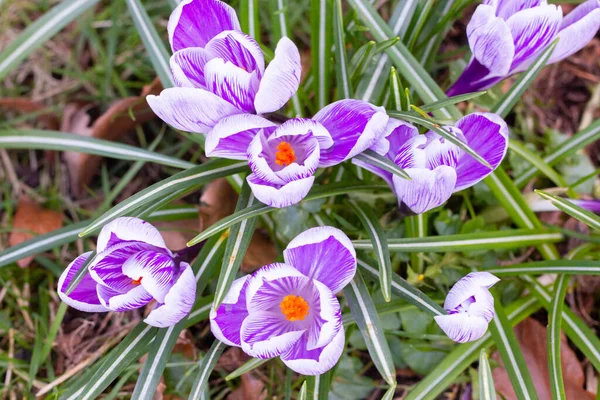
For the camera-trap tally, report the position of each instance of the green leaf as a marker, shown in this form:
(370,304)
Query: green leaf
(554,324)
(397,90)
(317,192)
(487,390)
(571,267)
(416,227)
(248,366)
(249,18)
(159,55)
(40,31)
(516,91)
(365,314)
(321,12)
(237,244)
(371,157)
(317,387)
(577,212)
(508,347)
(344,85)
(532,158)
(436,105)
(506,239)
(303,395)
(380,247)
(189,179)
(206,366)
(52,140)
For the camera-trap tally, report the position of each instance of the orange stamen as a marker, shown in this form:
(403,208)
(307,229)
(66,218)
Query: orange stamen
(285,154)
(295,308)
(137,281)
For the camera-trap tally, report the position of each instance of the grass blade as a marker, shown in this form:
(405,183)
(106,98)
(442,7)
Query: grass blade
(487,390)
(371,157)
(554,323)
(436,105)
(302,395)
(248,366)
(321,37)
(191,178)
(344,85)
(508,347)
(571,267)
(53,140)
(577,212)
(37,33)
(206,365)
(159,55)
(317,387)
(249,18)
(237,243)
(532,158)
(365,314)
(416,227)
(380,247)
(508,239)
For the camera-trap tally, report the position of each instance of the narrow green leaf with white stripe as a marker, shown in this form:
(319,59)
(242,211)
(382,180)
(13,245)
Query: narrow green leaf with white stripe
(571,267)
(365,314)
(371,157)
(436,105)
(532,158)
(206,366)
(321,13)
(249,18)
(487,391)
(317,387)
(248,366)
(557,386)
(344,85)
(575,211)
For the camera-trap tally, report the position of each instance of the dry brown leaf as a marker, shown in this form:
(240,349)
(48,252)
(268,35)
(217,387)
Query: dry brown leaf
(178,233)
(112,125)
(25,105)
(532,339)
(251,388)
(30,217)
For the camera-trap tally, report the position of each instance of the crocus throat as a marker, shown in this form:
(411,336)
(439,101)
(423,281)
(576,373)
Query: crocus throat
(295,308)
(285,154)
(137,281)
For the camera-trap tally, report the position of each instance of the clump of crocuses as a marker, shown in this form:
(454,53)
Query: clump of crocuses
(132,268)
(470,307)
(289,309)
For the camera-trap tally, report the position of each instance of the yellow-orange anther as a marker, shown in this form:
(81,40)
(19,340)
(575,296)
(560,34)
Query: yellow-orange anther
(295,308)
(285,154)
(137,281)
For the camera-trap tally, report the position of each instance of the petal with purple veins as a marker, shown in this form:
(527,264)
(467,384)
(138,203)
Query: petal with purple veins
(194,23)
(267,334)
(231,83)
(280,196)
(487,134)
(226,321)
(468,287)
(316,361)
(281,79)
(129,229)
(325,254)
(269,272)
(116,301)
(84,296)
(483,306)
(178,301)
(427,189)
(231,137)
(506,8)
(154,271)
(187,67)
(461,327)
(189,109)
(239,49)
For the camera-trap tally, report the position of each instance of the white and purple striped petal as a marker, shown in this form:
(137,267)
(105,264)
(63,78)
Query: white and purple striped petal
(426,190)
(129,229)
(127,301)
(462,327)
(84,296)
(226,321)
(354,126)
(280,196)
(314,361)
(153,270)
(325,254)
(268,334)
(191,110)
(231,137)
(194,23)
(231,83)
(178,301)
(187,67)
(281,79)
(467,287)
(239,49)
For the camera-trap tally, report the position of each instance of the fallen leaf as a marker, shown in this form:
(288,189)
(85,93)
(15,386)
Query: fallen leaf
(120,118)
(251,388)
(31,218)
(178,233)
(532,340)
(25,105)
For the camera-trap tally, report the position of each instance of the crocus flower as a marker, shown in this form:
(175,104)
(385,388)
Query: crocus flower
(290,309)
(284,158)
(470,307)
(506,37)
(132,268)
(220,71)
(437,167)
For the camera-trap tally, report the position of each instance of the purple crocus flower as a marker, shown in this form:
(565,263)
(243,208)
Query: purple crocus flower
(437,167)
(132,267)
(220,71)
(290,309)
(506,37)
(284,158)
(470,307)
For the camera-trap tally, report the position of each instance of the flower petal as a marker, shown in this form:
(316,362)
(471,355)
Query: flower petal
(129,229)
(231,137)
(487,134)
(439,151)
(231,83)
(189,109)
(483,306)
(194,23)
(467,287)
(506,8)
(578,28)
(84,297)
(239,49)
(226,321)
(187,67)
(329,321)
(115,301)
(154,271)
(427,189)
(178,301)
(316,361)
(280,196)
(268,334)
(304,126)
(281,79)
(533,29)
(461,327)
(325,254)
(354,126)
(269,272)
